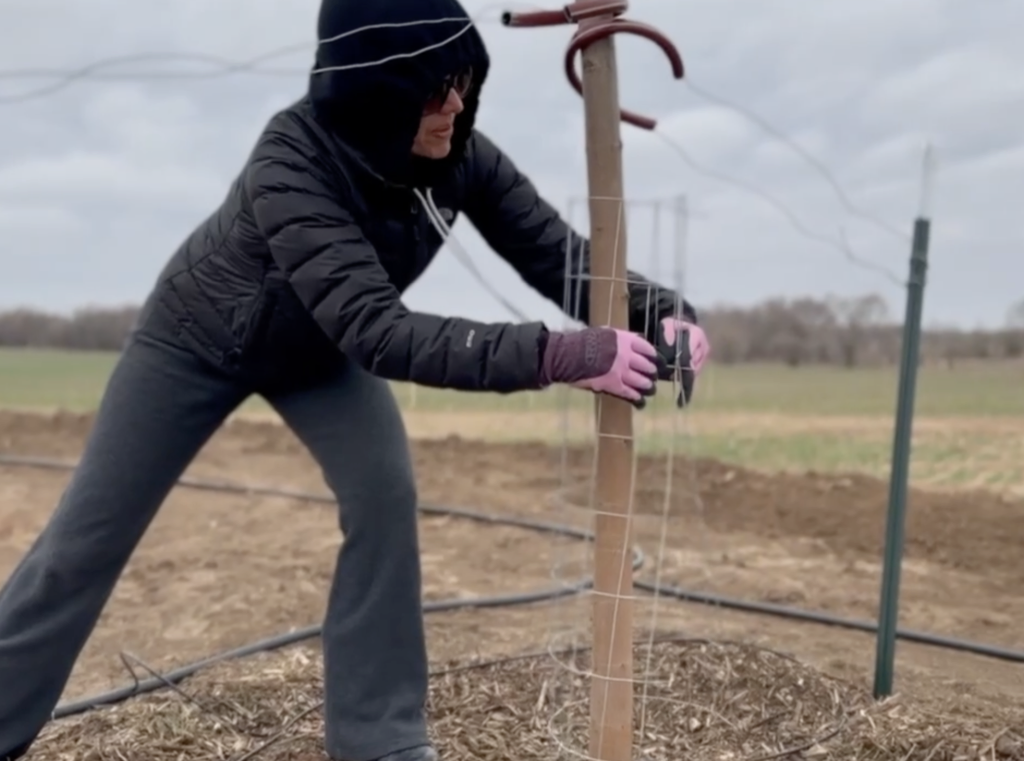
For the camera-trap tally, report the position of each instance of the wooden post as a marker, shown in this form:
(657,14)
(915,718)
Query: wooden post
(611,705)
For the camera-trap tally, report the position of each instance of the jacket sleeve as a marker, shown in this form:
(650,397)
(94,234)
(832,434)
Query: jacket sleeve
(531,236)
(337,275)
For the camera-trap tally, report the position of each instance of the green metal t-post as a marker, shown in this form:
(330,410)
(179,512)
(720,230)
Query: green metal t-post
(885,654)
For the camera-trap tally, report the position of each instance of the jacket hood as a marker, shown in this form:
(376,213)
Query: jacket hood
(376,109)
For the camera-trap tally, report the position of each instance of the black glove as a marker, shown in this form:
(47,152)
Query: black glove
(675,360)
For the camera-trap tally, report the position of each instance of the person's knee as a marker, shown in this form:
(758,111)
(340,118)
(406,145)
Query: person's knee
(78,553)
(376,500)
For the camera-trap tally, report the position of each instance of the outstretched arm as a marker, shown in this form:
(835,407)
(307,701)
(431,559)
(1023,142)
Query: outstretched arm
(337,275)
(529,234)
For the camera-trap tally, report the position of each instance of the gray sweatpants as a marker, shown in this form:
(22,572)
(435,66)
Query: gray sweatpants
(160,407)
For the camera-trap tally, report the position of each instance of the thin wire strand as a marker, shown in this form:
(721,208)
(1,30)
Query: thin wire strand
(840,245)
(95,71)
(806,155)
(448,237)
(398,56)
(225,66)
(667,502)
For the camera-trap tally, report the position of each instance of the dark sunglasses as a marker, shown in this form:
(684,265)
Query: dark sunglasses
(460,83)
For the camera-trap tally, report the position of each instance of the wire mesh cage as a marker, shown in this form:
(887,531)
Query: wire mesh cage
(579,693)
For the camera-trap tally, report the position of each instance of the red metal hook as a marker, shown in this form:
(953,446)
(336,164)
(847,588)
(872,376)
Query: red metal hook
(599,31)
(602,22)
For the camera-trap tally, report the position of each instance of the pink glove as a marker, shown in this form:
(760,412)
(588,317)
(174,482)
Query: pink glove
(684,346)
(602,360)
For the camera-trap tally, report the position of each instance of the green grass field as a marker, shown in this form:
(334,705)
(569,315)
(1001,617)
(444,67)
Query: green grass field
(969,428)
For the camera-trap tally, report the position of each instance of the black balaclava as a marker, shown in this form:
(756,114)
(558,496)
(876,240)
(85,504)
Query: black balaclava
(376,110)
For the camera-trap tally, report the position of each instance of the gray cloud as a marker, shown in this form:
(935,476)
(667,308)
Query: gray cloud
(99,181)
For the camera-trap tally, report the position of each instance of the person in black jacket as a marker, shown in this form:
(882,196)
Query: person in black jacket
(292,289)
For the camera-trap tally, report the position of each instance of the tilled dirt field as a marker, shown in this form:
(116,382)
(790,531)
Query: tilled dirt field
(218,571)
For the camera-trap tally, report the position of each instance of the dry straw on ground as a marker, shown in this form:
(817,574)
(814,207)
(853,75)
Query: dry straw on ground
(703,702)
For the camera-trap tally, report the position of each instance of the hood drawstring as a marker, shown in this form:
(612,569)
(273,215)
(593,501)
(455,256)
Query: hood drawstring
(434,215)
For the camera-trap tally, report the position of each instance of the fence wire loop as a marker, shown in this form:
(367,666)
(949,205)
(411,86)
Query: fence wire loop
(598,20)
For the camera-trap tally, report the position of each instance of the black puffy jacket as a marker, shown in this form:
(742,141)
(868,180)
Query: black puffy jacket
(305,261)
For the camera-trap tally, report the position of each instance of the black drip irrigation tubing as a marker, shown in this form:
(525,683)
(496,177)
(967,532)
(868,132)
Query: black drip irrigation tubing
(567,589)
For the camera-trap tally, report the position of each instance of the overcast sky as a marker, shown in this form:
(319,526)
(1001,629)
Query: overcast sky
(100,180)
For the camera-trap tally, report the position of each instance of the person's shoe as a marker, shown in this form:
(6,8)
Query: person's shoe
(420,753)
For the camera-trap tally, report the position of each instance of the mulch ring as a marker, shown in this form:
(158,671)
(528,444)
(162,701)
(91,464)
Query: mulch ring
(704,701)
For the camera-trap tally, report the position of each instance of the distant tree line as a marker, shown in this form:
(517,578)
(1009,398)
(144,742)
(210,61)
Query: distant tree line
(850,332)
(89,329)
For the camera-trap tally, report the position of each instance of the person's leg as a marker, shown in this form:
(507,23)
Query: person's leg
(159,408)
(375,661)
